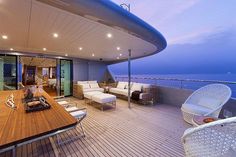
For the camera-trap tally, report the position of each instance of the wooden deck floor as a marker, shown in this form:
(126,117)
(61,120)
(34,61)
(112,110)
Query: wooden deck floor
(140,131)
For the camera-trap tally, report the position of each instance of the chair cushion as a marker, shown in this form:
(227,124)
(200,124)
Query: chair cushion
(63,102)
(78,114)
(209,102)
(136,87)
(195,109)
(93,85)
(71,109)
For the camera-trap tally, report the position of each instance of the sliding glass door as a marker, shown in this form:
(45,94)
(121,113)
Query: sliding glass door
(8,72)
(66,77)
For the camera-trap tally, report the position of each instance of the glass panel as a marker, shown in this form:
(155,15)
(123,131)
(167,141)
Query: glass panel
(8,72)
(66,77)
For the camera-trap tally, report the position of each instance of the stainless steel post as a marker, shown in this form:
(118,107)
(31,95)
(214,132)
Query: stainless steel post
(129,78)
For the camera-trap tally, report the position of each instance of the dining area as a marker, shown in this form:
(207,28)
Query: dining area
(27,116)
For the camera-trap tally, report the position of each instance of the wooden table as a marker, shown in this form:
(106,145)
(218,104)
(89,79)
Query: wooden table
(18,127)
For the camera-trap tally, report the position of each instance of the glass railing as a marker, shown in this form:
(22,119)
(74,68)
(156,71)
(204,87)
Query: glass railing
(192,84)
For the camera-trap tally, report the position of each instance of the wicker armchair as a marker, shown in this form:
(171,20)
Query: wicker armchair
(206,101)
(215,139)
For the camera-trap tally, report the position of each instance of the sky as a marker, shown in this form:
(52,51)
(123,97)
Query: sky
(201,36)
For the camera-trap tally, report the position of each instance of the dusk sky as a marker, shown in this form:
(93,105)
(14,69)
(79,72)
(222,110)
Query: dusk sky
(201,36)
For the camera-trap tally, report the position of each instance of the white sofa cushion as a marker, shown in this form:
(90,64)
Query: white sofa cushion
(85,86)
(94,85)
(89,95)
(91,82)
(121,85)
(82,82)
(196,109)
(93,89)
(120,91)
(136,87)
(209,102)
(104,98)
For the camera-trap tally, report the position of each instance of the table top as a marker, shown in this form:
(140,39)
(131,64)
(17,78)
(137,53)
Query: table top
(199,120)
(17,126)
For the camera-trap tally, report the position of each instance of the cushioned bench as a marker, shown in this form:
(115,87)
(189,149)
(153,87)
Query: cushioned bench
(105,99)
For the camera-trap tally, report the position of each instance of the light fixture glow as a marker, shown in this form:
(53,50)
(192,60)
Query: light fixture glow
(4,37)
(120,54)
(66,54)
(80,48)
(117,57)
(11,49)
(93,55)
(109,35)
(55,35)
(118,48)
(44,49)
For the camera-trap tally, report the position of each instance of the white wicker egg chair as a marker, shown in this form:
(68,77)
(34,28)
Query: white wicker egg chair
(206,101)
(215,139)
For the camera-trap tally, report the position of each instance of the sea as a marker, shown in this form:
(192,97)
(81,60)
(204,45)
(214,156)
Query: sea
(169,80)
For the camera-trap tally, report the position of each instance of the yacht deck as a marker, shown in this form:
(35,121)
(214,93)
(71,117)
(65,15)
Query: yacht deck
(142,131)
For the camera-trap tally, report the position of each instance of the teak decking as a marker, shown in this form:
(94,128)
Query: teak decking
(140,131)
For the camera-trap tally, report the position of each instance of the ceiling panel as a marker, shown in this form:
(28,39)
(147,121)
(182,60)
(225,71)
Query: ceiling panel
(30,26)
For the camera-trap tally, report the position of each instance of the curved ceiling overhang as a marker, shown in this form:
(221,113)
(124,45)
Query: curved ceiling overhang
(112,15)
(31,23)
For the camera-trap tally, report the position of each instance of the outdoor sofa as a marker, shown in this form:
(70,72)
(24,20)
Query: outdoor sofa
(147,94)
(81,87)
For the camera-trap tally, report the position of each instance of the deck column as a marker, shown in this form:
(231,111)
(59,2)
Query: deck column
(129,78)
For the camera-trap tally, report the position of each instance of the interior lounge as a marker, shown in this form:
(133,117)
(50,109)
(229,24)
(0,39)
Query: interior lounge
(59,98)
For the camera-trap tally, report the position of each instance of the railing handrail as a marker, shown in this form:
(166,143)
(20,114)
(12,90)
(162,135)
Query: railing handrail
(176,79)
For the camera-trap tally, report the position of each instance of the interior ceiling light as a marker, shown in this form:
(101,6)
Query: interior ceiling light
(44,49)
(80,48)
(117,57)
(120,54)
(55,35)
(66,54)
(11,49)
(109,35)
(93,55)
(118,48)
(4,37)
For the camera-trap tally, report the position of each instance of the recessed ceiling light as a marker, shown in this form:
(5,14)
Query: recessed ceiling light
(118,48)
(80,48)
(4,37)
(11,49)
(117,57)
(44,49)
(55,35)
(66,54)
(109,35)
(93,55)
(120,54)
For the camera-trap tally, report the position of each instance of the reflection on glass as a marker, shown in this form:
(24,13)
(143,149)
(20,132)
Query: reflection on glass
(7,72)
(66,83)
